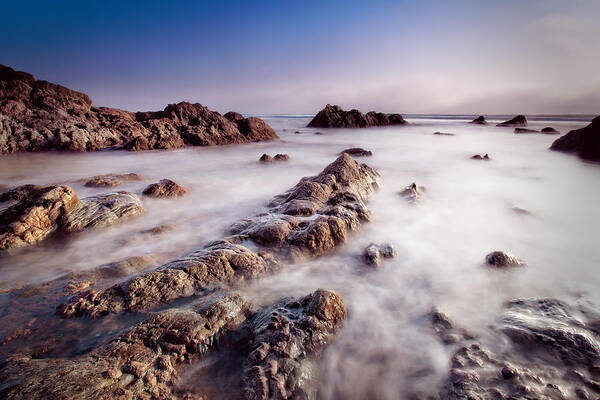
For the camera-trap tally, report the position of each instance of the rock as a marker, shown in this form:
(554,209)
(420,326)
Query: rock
(38,213)
(110,180)
(335,117)
(585,141)
(373,253)
(318,133)
(102,210)
(265,158)
(508,372)
(19,193)
(519,120)
(525,130)
(549,130)
(357,152)
(485,157)
(281,157)
(288,339)
(38,115)
(234,116)
(159,229)
(479,120)
(164,188)
(444,134)
(501,259)
(412,193)
(310,219)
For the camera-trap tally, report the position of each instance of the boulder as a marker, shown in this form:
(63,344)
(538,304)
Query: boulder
(585,141)
(519,120)
(549,130)
(265,158)
(484,157)
(501,259)
(525,130)
(357,152)
(38,115)
(412,193)
(110,180)
(164,188)
(374,253)
(281,157)
(335,117)
(479,120)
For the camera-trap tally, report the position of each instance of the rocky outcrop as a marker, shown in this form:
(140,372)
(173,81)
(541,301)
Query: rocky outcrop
(278,157)
(501,259)
(39,211)
(357,152)
(479,120)
(549,130)
(111,180)
(287,338)
(519,120)
(335,117)
(164,188)
(585,141)
(38,115)
(310,219)
(484,157)
(412,193)
(525,130)
(374,253)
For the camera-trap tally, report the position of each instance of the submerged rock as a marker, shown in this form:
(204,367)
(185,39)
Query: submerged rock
(525,130)
(501,259)
(485,157)
(164,188)
(519,120)
(265,158)
(549,130)
(412,193)
(278,157)
(444,134)
(38,115)
(110,180)
(479,120)
(333,201)
(335,117)
(373,253)
(585,141)
(357,152)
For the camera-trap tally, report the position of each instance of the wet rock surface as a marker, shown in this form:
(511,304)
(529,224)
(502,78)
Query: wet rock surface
(501,259)
(310,219)
(38,115)
(278,157)
(375,253)
(110,180)
(585,141)
(519,120)
(164,188)
(335,117)
(357,152)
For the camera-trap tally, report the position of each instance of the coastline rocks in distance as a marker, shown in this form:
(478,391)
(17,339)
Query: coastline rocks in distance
(374,253)
(585,141)
(549,130)
(164,188)
(479,120)
(484,157)
(110,180)
(525,130)
(335,117)
(278,157)
(357,152)
(519,120)
(501,259)
(38,115)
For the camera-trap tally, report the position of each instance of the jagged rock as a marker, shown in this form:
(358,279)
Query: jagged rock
(479,120)
(164,188)
(333,201)
(110,180)
(265,158)
(373,253)
(335,117)
(412,193)
(102,210)
(234,116)
(19,193)
(38,115)
(357,152)
(288,338)
(519,120)
(444,134)
(281,157)
(501,259)
(584,141)
(38,213)
(444,328)
(485,157)
(525,130)
(549,130)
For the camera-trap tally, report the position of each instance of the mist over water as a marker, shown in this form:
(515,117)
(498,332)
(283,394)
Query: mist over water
(468,210)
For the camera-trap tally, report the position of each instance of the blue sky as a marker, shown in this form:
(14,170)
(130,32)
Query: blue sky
(530,56)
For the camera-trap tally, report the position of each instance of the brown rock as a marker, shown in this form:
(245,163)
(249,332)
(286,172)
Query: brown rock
(585,141)
(281,157)
(110,180)
(164,188)
(335,117)
(500,259)
(412,193)
(265,158)
(519,120)
(357,152)
(484,157)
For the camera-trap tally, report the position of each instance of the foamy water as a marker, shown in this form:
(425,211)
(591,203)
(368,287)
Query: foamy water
(384,350)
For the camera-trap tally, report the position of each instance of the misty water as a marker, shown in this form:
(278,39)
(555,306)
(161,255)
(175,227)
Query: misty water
(539,205)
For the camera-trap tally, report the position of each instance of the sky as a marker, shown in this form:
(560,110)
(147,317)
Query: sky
(293,57)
